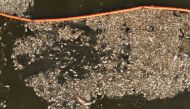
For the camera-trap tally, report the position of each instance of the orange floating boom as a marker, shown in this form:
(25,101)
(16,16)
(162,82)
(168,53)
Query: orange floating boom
(91,15)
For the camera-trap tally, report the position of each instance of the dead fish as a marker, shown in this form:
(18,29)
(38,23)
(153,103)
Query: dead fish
(82,101)
(175,58)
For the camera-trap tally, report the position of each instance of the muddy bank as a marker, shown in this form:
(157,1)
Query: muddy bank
(140,52)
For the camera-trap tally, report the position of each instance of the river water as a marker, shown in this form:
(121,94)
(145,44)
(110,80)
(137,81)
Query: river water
(18,96)
(65,8)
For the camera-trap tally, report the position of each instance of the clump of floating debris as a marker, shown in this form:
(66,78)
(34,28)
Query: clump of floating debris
(16,7)
(139,52)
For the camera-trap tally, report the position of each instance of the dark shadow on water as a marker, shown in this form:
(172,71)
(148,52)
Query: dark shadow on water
(71,54)
(66,8)
(180,101)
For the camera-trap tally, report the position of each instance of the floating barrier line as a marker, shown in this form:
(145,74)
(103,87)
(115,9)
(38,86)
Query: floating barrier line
(91,15)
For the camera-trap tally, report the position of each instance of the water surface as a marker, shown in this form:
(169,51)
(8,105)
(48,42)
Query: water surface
(21,97)
(66,8)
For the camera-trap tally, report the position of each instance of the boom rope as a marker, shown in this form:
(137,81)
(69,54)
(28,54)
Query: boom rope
(91,15)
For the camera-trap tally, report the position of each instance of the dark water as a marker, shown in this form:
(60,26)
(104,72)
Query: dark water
(65,8)
(180,101)
(21,97)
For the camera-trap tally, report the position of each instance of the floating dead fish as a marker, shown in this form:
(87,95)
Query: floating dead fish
(82,101)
